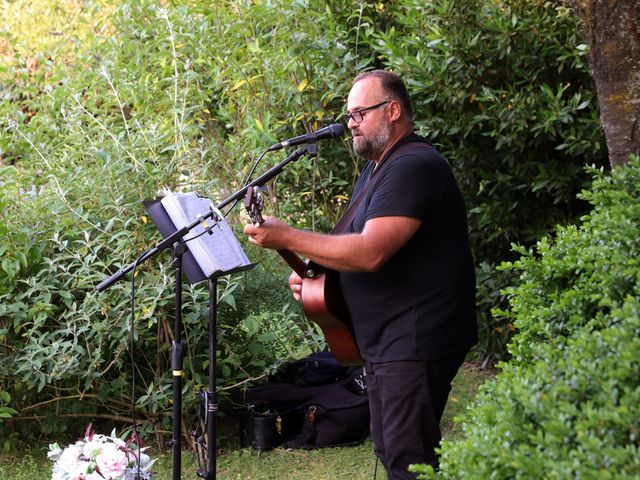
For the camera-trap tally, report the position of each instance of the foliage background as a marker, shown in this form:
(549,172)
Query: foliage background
(105,103)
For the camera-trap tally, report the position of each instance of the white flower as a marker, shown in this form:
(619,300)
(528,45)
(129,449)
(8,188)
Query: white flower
(93,476)
(54,452)
(92,449)
(70,471)
(98,457)
(70,456)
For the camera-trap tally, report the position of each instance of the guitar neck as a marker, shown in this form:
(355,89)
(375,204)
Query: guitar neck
(253,205)
(295,262)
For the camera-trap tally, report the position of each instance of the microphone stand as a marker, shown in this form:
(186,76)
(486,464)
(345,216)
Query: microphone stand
(175,240)
(176,362)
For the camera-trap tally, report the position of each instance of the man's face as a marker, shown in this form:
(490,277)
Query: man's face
(371,135)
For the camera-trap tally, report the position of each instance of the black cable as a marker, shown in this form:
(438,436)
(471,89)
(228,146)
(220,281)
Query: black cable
(132,319)
(246,180)
(133,364)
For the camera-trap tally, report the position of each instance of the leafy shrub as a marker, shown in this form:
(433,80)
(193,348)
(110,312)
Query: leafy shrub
(504,90)
(128,116)
(567,404)
(134,97)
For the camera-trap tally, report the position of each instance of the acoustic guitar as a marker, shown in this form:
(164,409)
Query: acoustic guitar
(321,295)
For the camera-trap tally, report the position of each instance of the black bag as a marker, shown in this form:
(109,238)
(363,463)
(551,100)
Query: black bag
(312,410)
(339,415)
(320,368)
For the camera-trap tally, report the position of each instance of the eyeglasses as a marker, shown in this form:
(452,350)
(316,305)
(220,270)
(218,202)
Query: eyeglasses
(358,115)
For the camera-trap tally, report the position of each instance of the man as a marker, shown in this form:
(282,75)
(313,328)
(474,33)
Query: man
(405,270)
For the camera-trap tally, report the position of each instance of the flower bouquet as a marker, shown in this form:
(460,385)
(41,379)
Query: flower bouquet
(100,457)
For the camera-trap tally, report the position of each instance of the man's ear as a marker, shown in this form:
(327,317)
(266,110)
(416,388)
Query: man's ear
(395,110)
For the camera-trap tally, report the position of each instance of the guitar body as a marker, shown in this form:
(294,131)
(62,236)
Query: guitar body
(324,305)
(322,299)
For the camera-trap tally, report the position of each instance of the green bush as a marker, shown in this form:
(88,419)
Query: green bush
(567,405)
(131,113)
(504,90)
(125,98)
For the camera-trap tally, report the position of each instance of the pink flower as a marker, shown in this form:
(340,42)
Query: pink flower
(85,476)
(111,462)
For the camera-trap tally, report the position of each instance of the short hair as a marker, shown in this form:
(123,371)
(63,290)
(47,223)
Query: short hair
(393,85)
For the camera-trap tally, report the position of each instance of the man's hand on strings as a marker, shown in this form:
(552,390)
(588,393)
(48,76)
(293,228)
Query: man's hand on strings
(272,233)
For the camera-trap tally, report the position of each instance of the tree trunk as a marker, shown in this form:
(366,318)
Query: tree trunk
(612,30)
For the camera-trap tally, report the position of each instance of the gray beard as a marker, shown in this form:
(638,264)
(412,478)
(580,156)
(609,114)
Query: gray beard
(372,148)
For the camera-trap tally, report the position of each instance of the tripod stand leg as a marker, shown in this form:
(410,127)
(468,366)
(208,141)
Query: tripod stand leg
(176,364)
(212,399)
(176,349)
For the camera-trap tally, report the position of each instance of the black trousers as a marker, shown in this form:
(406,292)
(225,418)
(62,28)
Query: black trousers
(406,401)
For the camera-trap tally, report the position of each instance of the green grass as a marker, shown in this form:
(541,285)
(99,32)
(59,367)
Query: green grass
(354,463)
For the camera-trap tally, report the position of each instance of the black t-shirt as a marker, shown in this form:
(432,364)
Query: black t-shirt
(421,303)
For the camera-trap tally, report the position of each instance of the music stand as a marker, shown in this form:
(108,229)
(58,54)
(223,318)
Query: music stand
(173,239)
(184,261)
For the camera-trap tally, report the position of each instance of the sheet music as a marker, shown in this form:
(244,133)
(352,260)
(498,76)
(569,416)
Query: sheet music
(214,252)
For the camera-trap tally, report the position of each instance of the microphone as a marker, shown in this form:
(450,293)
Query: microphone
(332,131)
